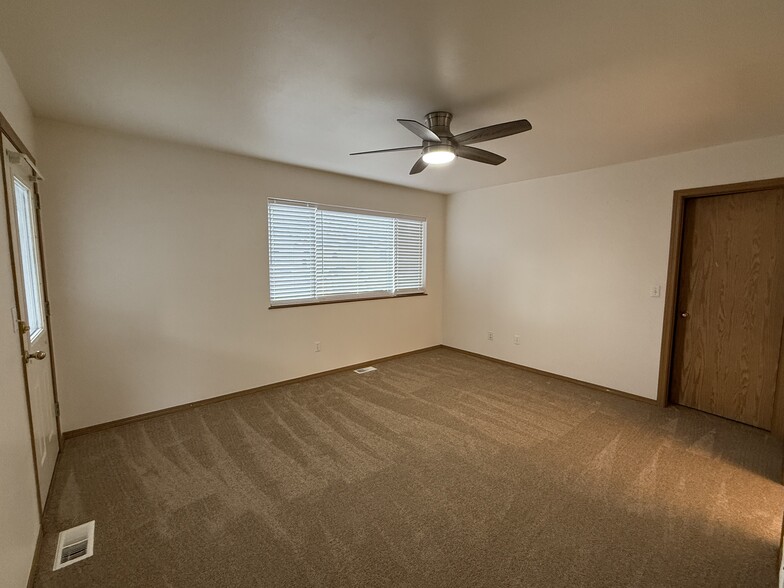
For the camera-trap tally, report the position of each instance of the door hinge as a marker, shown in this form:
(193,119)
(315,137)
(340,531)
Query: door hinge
(48,308)
(37,201)
(57,409)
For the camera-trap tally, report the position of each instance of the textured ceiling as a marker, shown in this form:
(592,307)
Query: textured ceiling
(307,82)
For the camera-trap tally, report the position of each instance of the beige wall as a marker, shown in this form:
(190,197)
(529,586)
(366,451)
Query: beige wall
(19,521)
(157,258)
(567,263)
(14,106)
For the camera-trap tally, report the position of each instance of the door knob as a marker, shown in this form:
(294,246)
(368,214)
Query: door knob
(34,355)
(685,314)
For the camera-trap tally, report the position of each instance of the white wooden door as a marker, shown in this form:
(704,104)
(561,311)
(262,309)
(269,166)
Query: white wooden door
(32,311)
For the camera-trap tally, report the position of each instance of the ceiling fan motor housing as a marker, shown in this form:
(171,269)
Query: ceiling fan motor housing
(438,122)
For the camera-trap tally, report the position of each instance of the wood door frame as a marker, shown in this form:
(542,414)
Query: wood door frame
(13,138)
(673,283)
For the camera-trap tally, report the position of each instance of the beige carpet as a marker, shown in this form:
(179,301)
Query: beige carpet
(439,469)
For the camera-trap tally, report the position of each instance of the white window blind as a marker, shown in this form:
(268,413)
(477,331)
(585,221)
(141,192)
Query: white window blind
(320,253)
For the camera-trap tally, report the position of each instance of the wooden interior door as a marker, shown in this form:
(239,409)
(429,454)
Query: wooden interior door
(730,306)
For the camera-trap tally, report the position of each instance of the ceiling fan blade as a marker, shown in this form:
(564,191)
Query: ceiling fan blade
(479,155)
(419,166)
(419,130)
(388,150)
(493,132)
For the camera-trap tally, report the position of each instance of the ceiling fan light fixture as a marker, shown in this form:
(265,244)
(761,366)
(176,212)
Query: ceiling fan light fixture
(441,147)
(438,154)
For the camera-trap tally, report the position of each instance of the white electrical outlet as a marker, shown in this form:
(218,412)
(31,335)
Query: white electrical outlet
(318,346)
(655,291)
(489,335)
(517,339)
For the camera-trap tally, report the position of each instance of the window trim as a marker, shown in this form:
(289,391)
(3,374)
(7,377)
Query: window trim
(361,297)
(340,300)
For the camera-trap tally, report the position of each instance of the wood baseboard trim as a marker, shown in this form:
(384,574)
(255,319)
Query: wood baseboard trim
(556,376)
(180,407)
(36,555)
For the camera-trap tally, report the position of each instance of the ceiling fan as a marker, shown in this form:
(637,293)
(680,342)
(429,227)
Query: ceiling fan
(440,146)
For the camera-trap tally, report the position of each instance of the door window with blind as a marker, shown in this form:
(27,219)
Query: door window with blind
(320,253)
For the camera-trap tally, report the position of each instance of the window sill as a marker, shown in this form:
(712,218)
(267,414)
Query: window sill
(296,304)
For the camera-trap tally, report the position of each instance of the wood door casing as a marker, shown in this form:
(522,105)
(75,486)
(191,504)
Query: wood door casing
(726,353)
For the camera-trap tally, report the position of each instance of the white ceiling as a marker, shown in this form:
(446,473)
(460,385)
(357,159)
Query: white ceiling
(306,82)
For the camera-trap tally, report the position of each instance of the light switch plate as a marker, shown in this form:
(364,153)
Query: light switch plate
(655,291)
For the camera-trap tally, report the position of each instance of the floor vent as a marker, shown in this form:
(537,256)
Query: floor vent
(365,370)
(74,545)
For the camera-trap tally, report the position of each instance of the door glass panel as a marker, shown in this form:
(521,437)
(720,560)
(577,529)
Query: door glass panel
(31,267)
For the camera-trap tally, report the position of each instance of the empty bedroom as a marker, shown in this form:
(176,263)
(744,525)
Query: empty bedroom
(425,294)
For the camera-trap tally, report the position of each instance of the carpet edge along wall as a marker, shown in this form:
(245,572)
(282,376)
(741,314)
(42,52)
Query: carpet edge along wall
(223,397)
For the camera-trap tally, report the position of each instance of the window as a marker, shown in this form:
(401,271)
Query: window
(321,253)
(31,268)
